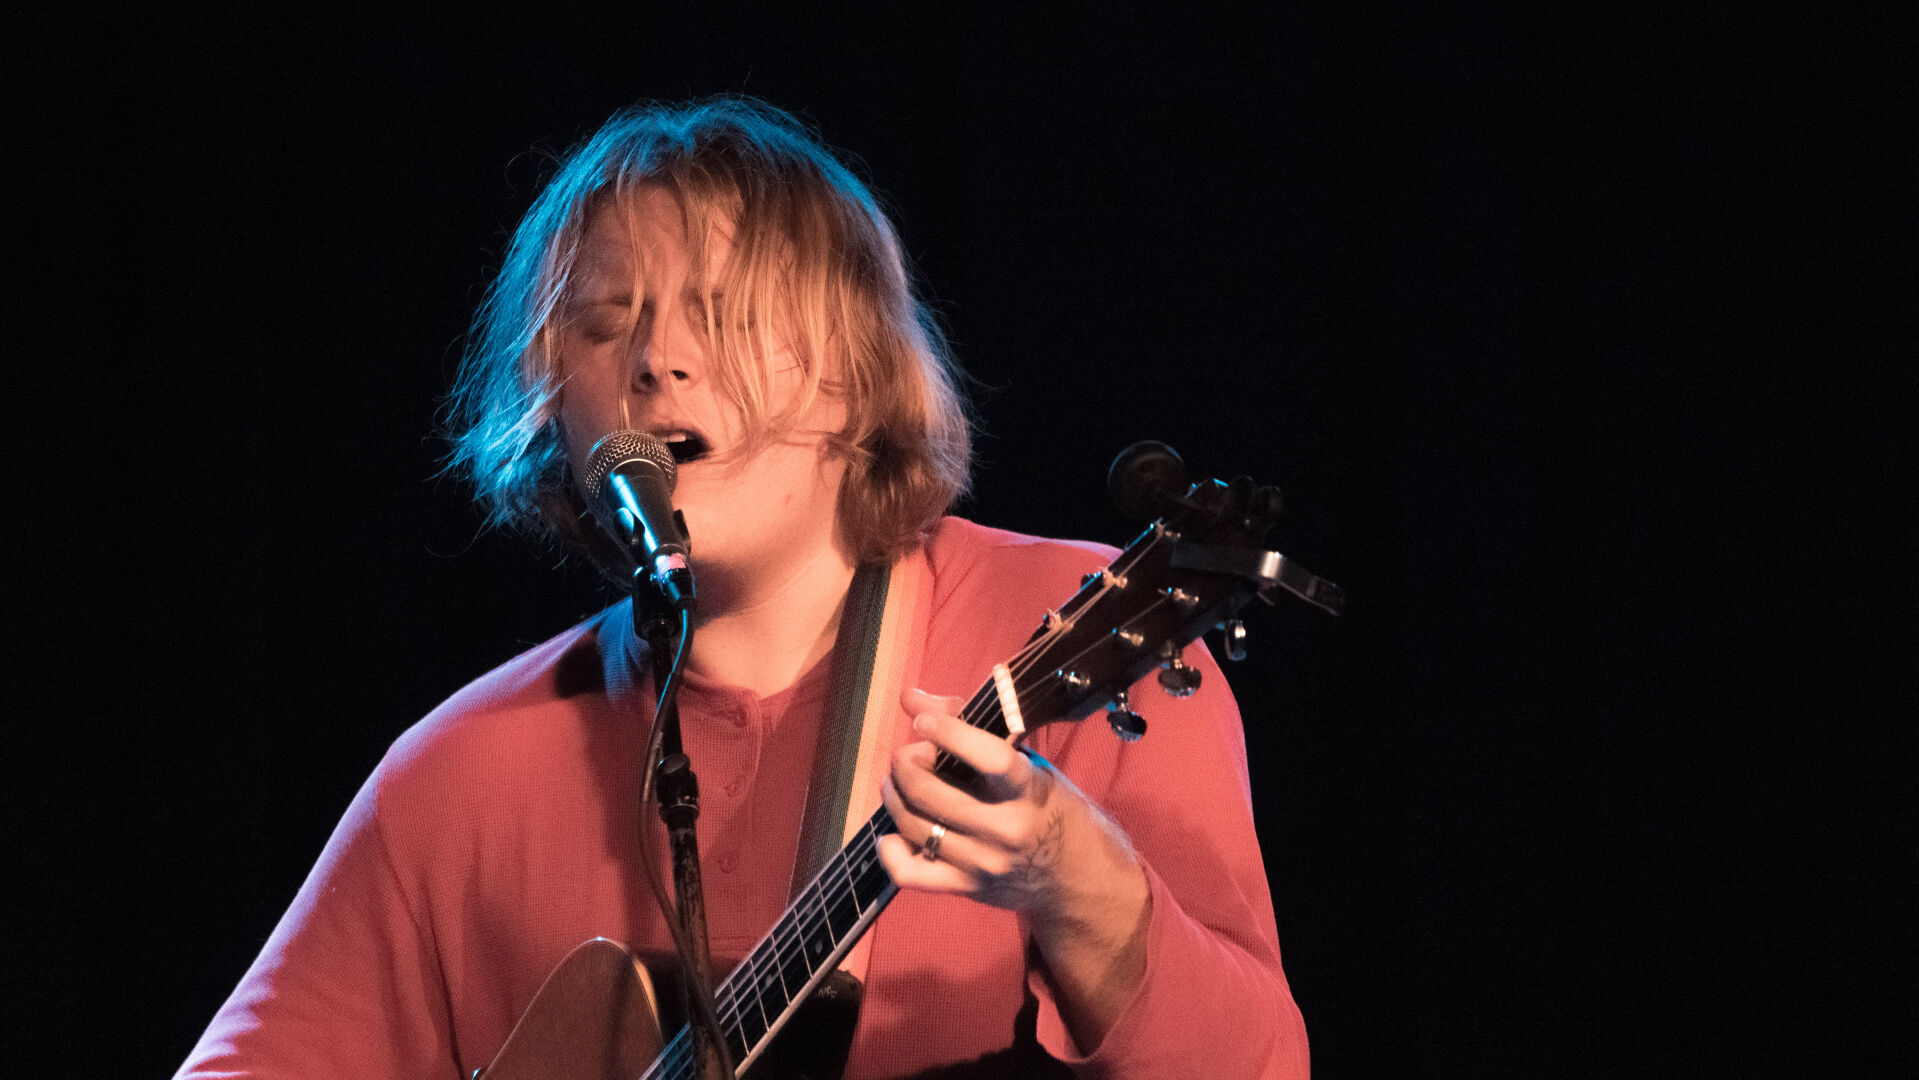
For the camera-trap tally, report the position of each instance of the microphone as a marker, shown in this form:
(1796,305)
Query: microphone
(629,478)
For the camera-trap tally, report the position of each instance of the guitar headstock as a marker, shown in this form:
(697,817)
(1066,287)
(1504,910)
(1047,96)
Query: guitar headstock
(1191,570)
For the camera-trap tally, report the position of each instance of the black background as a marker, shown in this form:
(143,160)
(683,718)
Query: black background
(1579,342)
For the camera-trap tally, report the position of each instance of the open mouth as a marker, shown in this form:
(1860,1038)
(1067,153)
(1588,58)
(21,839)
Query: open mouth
(685,446)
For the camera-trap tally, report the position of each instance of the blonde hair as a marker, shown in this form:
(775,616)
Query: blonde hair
(815,262)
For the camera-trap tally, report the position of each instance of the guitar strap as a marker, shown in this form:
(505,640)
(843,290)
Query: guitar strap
(870,658)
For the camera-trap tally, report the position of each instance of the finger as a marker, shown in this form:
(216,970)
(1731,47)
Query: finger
(994,829)
(956,848)
(943,713)
(909,871)
(916,701)
(976,859)
(1005,769)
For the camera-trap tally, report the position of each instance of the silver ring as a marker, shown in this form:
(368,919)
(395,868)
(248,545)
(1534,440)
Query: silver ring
(930,851)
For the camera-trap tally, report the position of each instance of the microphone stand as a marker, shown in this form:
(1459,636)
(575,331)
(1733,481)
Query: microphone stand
(679,805)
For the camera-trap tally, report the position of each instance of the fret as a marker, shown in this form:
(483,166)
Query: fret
(737,1006)
(814,931)
(733,1041)
(752,1024)
(726,1006)
(872,883)
(768,986)
(789,950)
(788,958)
(869,877)
(792,960)
(756,1018)
(771,996)
(841,909)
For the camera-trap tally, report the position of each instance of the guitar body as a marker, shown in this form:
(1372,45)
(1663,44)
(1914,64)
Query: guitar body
(595,1018)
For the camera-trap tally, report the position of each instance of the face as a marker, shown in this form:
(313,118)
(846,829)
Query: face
(634,353)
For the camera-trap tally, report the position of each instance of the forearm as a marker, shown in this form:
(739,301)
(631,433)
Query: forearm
(1094,952)
(1204,1005)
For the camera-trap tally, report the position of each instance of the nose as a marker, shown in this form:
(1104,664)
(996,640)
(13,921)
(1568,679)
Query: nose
(668,352)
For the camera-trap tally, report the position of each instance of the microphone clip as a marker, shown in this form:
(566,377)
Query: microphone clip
(669,570)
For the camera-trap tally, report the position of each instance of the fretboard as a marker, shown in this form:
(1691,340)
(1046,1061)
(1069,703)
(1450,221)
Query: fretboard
(817,931)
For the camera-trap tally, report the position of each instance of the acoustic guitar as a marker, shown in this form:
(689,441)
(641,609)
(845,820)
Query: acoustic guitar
(1191,570)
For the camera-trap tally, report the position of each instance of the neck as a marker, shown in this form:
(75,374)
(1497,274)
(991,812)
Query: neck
(762,631)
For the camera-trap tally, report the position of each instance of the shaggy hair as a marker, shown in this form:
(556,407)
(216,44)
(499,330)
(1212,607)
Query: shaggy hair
(816,267)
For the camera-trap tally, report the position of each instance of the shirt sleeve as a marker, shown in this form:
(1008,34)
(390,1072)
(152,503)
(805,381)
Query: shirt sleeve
(1214,1000)
(347,983)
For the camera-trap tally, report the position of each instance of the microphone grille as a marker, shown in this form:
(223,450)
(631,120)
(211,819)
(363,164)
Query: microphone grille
(622,448)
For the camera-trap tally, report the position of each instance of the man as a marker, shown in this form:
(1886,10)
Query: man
(710,275)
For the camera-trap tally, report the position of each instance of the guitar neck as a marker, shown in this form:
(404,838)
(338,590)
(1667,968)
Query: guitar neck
(818,929)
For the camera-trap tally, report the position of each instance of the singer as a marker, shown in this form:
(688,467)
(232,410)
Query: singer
(709,275)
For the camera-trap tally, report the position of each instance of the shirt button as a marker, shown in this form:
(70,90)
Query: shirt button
(734,787)
(728,860)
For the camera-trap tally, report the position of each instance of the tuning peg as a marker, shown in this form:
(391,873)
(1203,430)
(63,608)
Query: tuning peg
(1186,602)
(1232,635)
(1126,723)
(1177,678)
